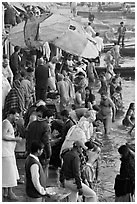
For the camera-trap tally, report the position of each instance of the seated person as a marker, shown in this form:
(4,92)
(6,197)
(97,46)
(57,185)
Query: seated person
(129,119)
(80,81)
(90,97)
(79,99)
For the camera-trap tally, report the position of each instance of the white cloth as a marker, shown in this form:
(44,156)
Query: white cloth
(100,44)
(90,31)
(10,173)
(7,73)
(82,132)
(34,169)
(5,89)
(9,168)
(8,147)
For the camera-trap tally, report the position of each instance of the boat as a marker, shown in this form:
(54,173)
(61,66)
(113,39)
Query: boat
(112,7)
(126,72)
(127,50)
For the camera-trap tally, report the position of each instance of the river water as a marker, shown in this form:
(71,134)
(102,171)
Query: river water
(110,163)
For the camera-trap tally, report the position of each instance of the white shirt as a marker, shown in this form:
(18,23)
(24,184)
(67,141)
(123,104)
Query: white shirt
(34,169)
(100,44)
(90,31)
(7,73)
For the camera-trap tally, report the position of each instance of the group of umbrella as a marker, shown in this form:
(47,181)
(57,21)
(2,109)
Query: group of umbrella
(61,30)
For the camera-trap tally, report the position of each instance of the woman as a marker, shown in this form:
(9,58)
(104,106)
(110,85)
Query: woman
(52,76)
(15,99)
(127,171)
(129,119)
(91,73)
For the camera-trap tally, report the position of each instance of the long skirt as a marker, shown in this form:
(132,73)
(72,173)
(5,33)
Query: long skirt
(10,173)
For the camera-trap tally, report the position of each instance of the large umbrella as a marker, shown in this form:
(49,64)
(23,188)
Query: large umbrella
(61,31)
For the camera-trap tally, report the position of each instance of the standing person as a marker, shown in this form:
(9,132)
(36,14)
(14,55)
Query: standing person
(100,44)
(106,104)
(35,177)
(41,76)
(127,171)
(15,62)
(15,99)
(91,73)
(40,131)
(121,33)
(64,91)
(10,173)
(90,30)
(6,70)
(73,8)
(116,54)
(109,71)
(72,174)
(52,75)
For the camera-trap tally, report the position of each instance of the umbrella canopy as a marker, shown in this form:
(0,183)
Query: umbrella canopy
(57,29)
(68,35)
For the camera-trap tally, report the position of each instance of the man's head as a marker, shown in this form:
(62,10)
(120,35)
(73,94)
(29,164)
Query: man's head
(17,49)
(36,148)
(97,34)
(5,62)
(104,95)
(122,23)
(65,115)
(13,115)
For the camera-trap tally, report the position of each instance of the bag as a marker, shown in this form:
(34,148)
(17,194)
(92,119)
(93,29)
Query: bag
(122,186)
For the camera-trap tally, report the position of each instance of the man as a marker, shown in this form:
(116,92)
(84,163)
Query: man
(41,75)
(40,131)
(10,173)
(90,30)
(71,174)
(6,71)
(15,62)
(106,104)
(121,33)
(35,177)
(100,44)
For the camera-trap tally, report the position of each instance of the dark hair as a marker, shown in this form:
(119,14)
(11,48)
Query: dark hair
(5,56)
(16,48)
(13,111)
(23,73)
(97,33)
(41,109)
(30,69)
(48,113)
(89,23)
(131,105)
(123,150)
(35,146)
(89,145)
(119,88)
(121,22)
(65,113)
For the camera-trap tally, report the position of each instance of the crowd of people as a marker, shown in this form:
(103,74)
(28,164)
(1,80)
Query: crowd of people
(53,103)
(50,102)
